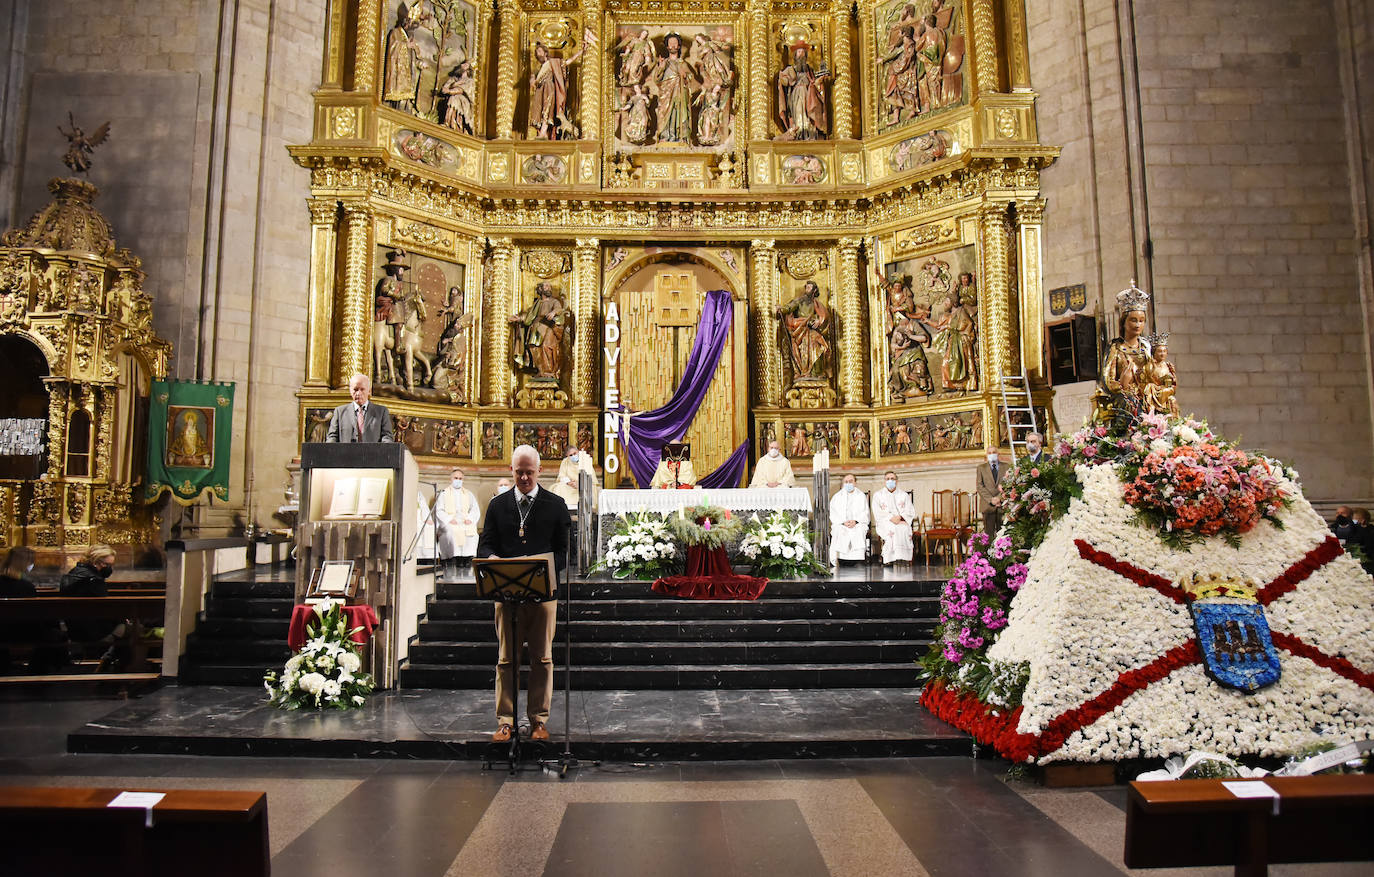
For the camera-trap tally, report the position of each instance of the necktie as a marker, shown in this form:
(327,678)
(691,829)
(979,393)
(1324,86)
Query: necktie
(360,424)
(994,472)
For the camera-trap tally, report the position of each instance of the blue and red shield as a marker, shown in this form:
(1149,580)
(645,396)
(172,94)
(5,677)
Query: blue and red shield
(1236,648)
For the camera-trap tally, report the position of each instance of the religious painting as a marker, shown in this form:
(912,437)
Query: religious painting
(932,433)
(420,327)
(586,437)
(452,438)
(803,170)
(554,54)
(493,440)
(429,61)
(920,60)
(860,442)
(921,150)
(549,439)
(801,92)
(317,424)
(190,437)
(806,438)
(767,434)
(930,320)
(544,168)
(675,86)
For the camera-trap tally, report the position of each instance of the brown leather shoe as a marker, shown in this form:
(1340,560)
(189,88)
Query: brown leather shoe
(540,731)
(502,734)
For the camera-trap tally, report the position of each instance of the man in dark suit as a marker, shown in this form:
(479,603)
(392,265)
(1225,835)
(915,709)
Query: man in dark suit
(361,420)
(1035,443)
(524,521)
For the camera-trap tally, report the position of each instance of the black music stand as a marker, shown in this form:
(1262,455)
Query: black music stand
(515,581)
(676,452)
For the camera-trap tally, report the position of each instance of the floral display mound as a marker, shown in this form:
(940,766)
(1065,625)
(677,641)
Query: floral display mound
(1097,627)
(325,673)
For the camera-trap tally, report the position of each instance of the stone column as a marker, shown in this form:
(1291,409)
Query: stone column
(368,47)
(993,296)
(497,325)
(984,46)
(764,256)
(1030,295)
(353,349)
(758,70)
(843,64)
(507,67)
(320,320)
(589,77)
(853,340)
(588,263)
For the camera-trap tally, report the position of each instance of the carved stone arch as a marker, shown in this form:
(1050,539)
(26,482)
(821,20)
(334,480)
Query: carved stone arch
(50,353)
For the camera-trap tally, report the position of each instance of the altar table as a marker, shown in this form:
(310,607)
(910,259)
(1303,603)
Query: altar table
(736,499)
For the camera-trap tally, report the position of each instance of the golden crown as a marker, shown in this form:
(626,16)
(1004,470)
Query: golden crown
(1156,339)
(1132,298)
(1201,586)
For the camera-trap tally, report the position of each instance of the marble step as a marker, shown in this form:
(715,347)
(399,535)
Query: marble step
(682,676)
(595,654)
(231,650)
(704,630)
(666,608)
(249,607)
(814,588)
(219,627)
(279,590)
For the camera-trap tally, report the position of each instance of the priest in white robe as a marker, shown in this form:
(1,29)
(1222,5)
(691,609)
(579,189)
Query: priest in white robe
(672,474)
(893,515)
(574,461)
(774,470)
(848,523)
(455,510)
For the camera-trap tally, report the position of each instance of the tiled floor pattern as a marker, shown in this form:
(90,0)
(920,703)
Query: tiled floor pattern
(945,817)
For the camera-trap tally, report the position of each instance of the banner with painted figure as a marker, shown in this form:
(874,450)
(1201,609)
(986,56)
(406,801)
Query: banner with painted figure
(190,426)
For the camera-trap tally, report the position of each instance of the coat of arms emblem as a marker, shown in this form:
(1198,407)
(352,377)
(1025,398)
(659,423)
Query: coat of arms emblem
(1232,632)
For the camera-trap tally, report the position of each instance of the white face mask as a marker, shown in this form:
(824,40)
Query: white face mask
(457,484)
(773,452)
(992,459)
(503,488)
(891,484)
(849,488)
(572,457)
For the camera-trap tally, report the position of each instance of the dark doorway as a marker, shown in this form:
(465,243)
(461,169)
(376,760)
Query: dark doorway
(23,409)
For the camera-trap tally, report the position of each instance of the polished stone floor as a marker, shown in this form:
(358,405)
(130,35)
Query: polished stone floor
(433,818)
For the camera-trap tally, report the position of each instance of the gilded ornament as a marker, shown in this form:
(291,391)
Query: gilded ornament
(933,234)
(546,263)
(803,265)
(345,122)
(1005,121)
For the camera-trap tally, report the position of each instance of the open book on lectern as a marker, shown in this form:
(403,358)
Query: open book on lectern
(532,577)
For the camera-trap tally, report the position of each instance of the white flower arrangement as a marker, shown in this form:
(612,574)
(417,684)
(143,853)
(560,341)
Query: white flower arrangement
(325,673)
(642,546)
(779,547)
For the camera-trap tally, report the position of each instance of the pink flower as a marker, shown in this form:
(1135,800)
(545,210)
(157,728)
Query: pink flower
(1035,473)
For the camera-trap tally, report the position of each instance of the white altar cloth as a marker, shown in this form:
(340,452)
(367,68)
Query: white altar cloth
(736,499)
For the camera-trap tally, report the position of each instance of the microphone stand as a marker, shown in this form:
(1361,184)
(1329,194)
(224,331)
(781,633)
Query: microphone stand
(433,523)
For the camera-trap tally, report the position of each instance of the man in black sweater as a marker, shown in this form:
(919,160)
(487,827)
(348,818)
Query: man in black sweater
(520,522)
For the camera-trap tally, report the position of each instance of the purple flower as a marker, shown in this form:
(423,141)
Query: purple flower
(1016,576)
(952,653)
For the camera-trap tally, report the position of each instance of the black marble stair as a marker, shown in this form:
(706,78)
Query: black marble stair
(824,633)
(242,632)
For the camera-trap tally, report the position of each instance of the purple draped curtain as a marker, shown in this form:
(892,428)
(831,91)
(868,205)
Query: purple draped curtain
(649,431)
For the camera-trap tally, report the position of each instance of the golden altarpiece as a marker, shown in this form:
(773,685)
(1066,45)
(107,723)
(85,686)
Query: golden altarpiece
(488,179)
(80,352)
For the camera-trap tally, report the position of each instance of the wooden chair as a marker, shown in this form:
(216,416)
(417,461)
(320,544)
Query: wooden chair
(942,522)
(964,501)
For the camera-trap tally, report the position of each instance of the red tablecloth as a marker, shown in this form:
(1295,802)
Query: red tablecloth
(709,577)
(357,616)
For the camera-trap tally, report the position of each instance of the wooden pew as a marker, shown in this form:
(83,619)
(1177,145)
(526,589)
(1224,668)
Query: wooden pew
(139,606)
(65,831)
(1189,823)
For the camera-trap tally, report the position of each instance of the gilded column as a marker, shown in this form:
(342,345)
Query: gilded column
(497,323)
(590,74)
(758,70)
(588,263)
(853,339)
(842,63)
(1018,64)
(1030,296)
(324,239)
(507,67)
(984,46)
(365,66)
(764,286)
(357,293)
(996,328)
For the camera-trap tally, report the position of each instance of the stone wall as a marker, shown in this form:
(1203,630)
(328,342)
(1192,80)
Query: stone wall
(1248,192)
(203,99)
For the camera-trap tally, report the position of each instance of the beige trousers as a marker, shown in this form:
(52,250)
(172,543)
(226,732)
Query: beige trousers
(534,628)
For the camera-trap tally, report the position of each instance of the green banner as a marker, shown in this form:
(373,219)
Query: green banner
(190,426)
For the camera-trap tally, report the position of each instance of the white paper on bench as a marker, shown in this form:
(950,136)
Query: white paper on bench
(1253,789)
(144,800)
